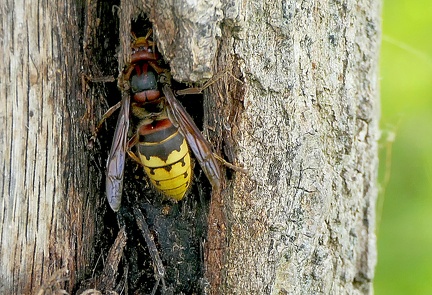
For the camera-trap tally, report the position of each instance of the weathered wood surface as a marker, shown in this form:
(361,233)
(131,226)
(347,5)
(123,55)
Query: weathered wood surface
(46,232)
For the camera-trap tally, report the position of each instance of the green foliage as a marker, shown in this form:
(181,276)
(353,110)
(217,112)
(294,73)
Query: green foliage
(404,212)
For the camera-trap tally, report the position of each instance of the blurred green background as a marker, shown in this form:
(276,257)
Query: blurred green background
(404,211)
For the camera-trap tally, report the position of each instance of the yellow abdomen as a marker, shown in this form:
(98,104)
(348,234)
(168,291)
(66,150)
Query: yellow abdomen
(164,153)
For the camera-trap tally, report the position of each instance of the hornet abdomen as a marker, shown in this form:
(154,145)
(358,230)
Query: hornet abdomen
(164,153)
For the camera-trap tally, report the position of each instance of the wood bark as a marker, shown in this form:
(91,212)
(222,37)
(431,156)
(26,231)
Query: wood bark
(296,105)
(305,124)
